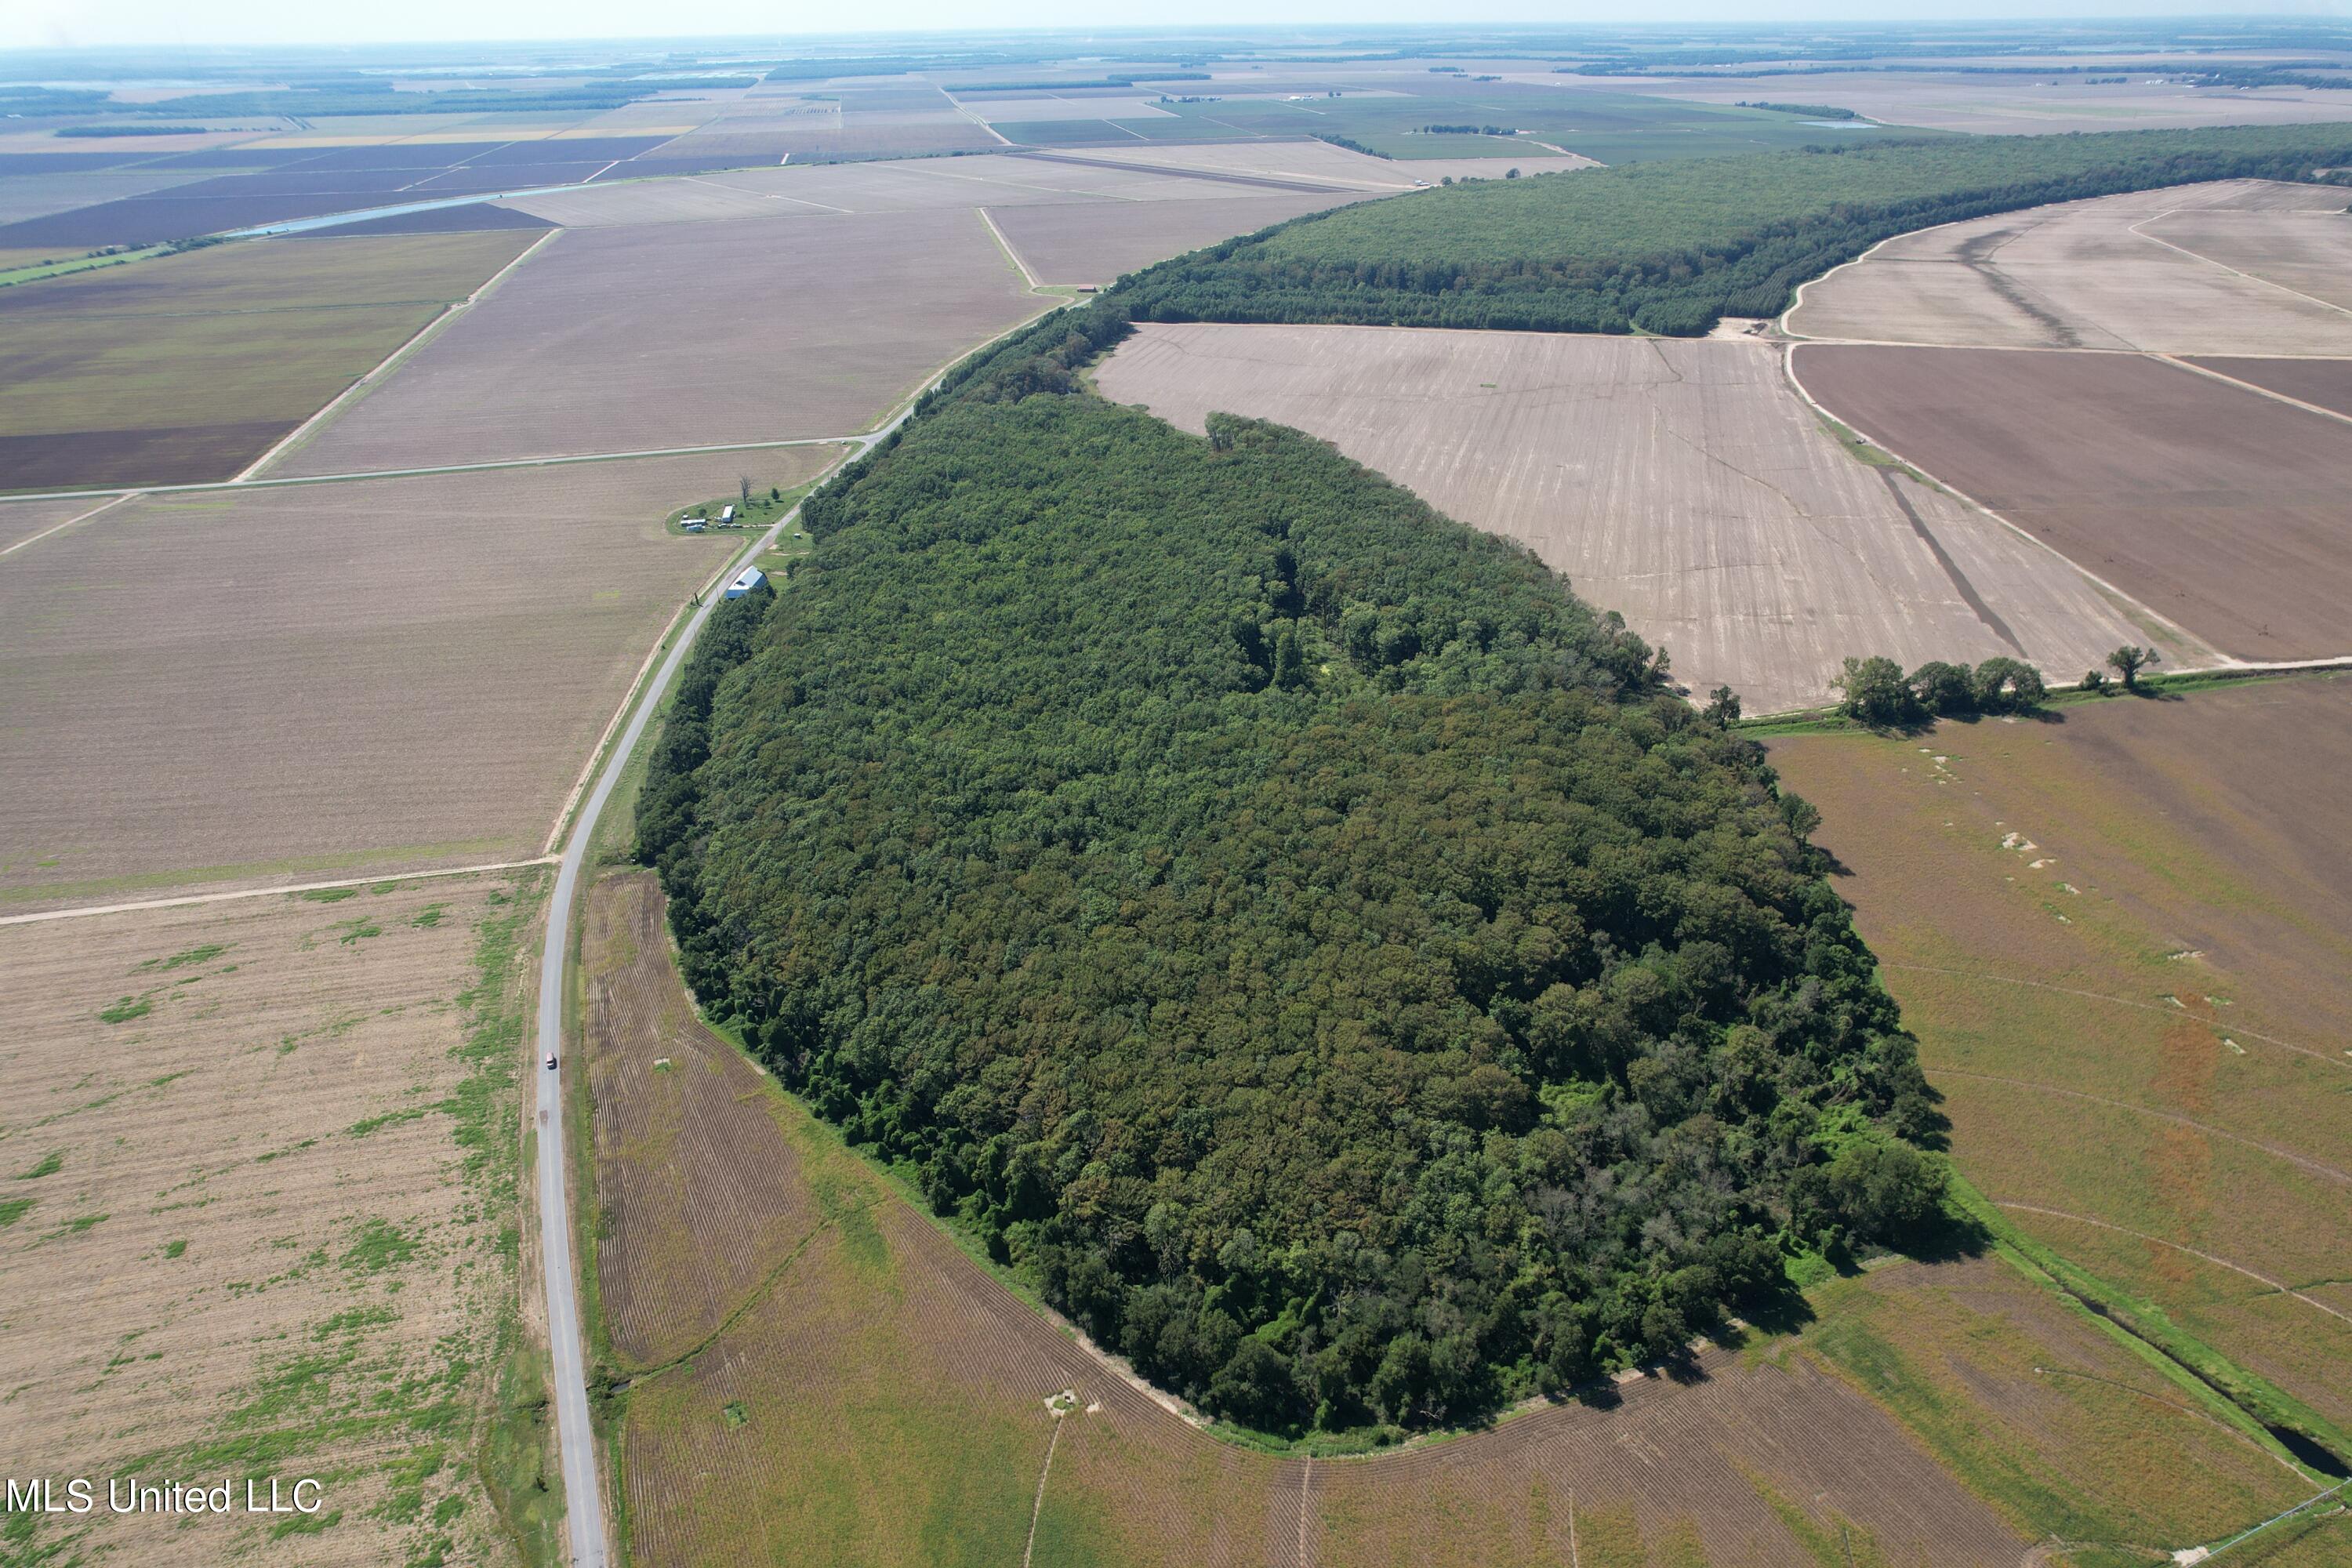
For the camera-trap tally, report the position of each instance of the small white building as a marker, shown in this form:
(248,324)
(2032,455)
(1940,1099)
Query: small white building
(745,581)
(727,516)
(694,524)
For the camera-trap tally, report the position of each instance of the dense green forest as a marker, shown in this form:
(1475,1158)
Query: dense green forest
(1670,247)
(1285,923)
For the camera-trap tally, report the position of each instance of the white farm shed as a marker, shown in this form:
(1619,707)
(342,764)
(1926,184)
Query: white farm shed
(745,581)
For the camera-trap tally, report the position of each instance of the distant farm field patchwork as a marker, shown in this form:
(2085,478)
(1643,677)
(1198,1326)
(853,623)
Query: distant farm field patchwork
(2220,509)
(188,367)
(2230,266)
(258,1179)
(1682,484)
(875,1397)
(2121,941)
(386,674)
(623,340)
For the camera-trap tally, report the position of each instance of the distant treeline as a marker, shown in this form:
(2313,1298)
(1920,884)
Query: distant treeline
(1352,144)
(129,131)
(1809,111)
(1066,84)
(1672,246)
(1466,131)
(373,96)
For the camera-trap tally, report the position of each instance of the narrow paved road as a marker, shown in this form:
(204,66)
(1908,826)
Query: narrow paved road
(575,1438)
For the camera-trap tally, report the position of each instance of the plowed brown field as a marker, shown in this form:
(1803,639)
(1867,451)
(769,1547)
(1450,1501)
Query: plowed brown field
(2220,509)
(2122,941)
(257,1189)
(2324,383)
(884,1400)
(394,674)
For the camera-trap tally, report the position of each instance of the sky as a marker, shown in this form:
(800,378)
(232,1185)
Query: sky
(76,23)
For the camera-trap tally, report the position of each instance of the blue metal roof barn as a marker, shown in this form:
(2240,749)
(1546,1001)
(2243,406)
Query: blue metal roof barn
(745,581)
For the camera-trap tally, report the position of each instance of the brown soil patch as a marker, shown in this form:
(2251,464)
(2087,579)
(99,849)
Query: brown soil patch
(2217,508)
(2323,382)
(255,1228)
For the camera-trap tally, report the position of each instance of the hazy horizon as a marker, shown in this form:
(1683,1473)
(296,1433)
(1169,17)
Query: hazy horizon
(160,24)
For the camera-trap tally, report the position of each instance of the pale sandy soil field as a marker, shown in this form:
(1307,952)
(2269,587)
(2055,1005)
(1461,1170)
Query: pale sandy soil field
(2214,268)
(1321,161)
(1682,484)
(258,1167)
(2306,248)
(2002,105)
(912,185)
(1016,110)
(2223,509)
(627,340)
(21,520)
(1094,242)
(287,684)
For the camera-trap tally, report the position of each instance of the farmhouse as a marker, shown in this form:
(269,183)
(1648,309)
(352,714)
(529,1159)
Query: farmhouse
(745,581)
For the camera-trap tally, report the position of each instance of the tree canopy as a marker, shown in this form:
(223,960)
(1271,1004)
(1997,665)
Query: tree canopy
(1285,923)
(1672,246)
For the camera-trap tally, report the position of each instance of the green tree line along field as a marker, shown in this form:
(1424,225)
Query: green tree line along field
(1286,924)
(1672,246)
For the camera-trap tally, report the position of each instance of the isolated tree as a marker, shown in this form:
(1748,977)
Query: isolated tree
(2006,685)
(744,489)
(1944,689)
(2129,661)
(1876,693)
(2093,680)
(1723,706)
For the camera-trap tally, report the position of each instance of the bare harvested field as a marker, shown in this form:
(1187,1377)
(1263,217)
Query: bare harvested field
(2008,105)
(1682,484)
(22,520)
(1321,161)
(2122,941)
(38,195)
(188,367)
(1094,242)
(2224,267)
(398,673)
(2322,382)
(913,185)
(879,1399)
(623,340)
(2220,508)
(257,1187)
